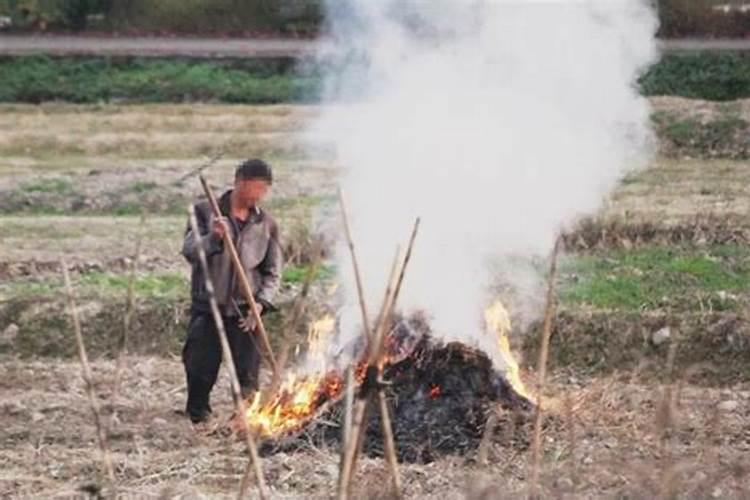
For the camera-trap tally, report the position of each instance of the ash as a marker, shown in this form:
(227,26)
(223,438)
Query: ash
(440,397)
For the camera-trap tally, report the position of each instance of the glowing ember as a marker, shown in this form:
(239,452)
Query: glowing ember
(498,320)
(434,392)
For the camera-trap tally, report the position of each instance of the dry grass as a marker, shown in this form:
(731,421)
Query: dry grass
(673,191)
(48,439)
(611,435)
(89,239)
(152,131)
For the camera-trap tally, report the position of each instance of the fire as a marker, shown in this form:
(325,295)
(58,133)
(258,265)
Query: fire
(300,395)
(434,392)
(498,320)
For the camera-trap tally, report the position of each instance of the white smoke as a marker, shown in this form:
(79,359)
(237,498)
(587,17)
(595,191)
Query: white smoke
(497,122)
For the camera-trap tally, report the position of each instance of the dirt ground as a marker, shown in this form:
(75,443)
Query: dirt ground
(613,437)
(73,181)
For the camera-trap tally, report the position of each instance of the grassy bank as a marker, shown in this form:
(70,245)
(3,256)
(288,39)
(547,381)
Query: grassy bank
(710,76)
(126,79)
(93,80)
(674,278)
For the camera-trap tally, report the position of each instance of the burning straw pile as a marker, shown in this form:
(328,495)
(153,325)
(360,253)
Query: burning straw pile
(440,397)
(432,398)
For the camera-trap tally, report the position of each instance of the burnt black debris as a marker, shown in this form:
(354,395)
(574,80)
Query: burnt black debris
(440,396)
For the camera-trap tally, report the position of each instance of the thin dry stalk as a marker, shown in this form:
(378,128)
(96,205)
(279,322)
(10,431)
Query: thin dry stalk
(196,171)
(348,402)
(388,311)
(355,265)
(254,464)
(665,419)
(374,362)
(572,442)
(352,435)
(301,300)
(536,445)
(385,413)
(291,325)
(88,378)
(128,317)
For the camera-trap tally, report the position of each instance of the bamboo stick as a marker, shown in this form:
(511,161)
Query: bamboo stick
(88,378)
(355,444)
(239,402)
(375,358)
(536,446)
(128,317)
(355,266)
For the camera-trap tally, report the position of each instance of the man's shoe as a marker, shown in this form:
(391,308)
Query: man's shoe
(199,416)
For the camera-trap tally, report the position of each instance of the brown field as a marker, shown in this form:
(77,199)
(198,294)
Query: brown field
(623,422)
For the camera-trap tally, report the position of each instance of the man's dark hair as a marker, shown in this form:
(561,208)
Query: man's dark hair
(254,169)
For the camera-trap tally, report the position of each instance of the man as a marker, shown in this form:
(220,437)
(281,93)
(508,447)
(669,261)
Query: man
(256,237)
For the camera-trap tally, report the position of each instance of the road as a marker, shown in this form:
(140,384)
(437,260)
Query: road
(14,45)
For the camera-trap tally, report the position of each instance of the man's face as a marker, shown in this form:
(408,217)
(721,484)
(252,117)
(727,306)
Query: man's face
(251,191)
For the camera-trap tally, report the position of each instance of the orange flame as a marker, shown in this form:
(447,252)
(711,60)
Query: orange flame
(498,320)
(300,395)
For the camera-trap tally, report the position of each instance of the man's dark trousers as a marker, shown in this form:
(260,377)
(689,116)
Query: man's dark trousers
(202,355)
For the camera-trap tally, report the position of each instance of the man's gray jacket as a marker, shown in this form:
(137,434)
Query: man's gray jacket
(257,243)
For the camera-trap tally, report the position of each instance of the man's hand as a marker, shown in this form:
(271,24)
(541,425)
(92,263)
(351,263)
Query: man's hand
(220,227)
(248,324)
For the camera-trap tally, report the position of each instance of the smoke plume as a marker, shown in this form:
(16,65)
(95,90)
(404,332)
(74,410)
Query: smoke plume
(497,122)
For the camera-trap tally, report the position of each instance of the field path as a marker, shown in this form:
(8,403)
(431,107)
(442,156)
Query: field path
(15,45)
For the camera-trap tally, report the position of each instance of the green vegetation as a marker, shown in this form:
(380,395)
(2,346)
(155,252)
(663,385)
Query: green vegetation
(159,285)
(37,79)
(723,136)
(172,286)
(91,80)
(298,274)
(154,285)
(710,76)
(141,187)
(51,185)
(659,278)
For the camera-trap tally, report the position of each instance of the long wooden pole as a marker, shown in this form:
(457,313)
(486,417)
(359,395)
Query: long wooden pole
(239,402)
(358,412)
(88,378)
(355,266)
(352,414)
(536,445)
(245,287)
(355,435)
(385,415)
(128,317)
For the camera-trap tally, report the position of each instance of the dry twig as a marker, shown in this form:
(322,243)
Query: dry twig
(536,445)
(356,436)
(88,378)
(128,317)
